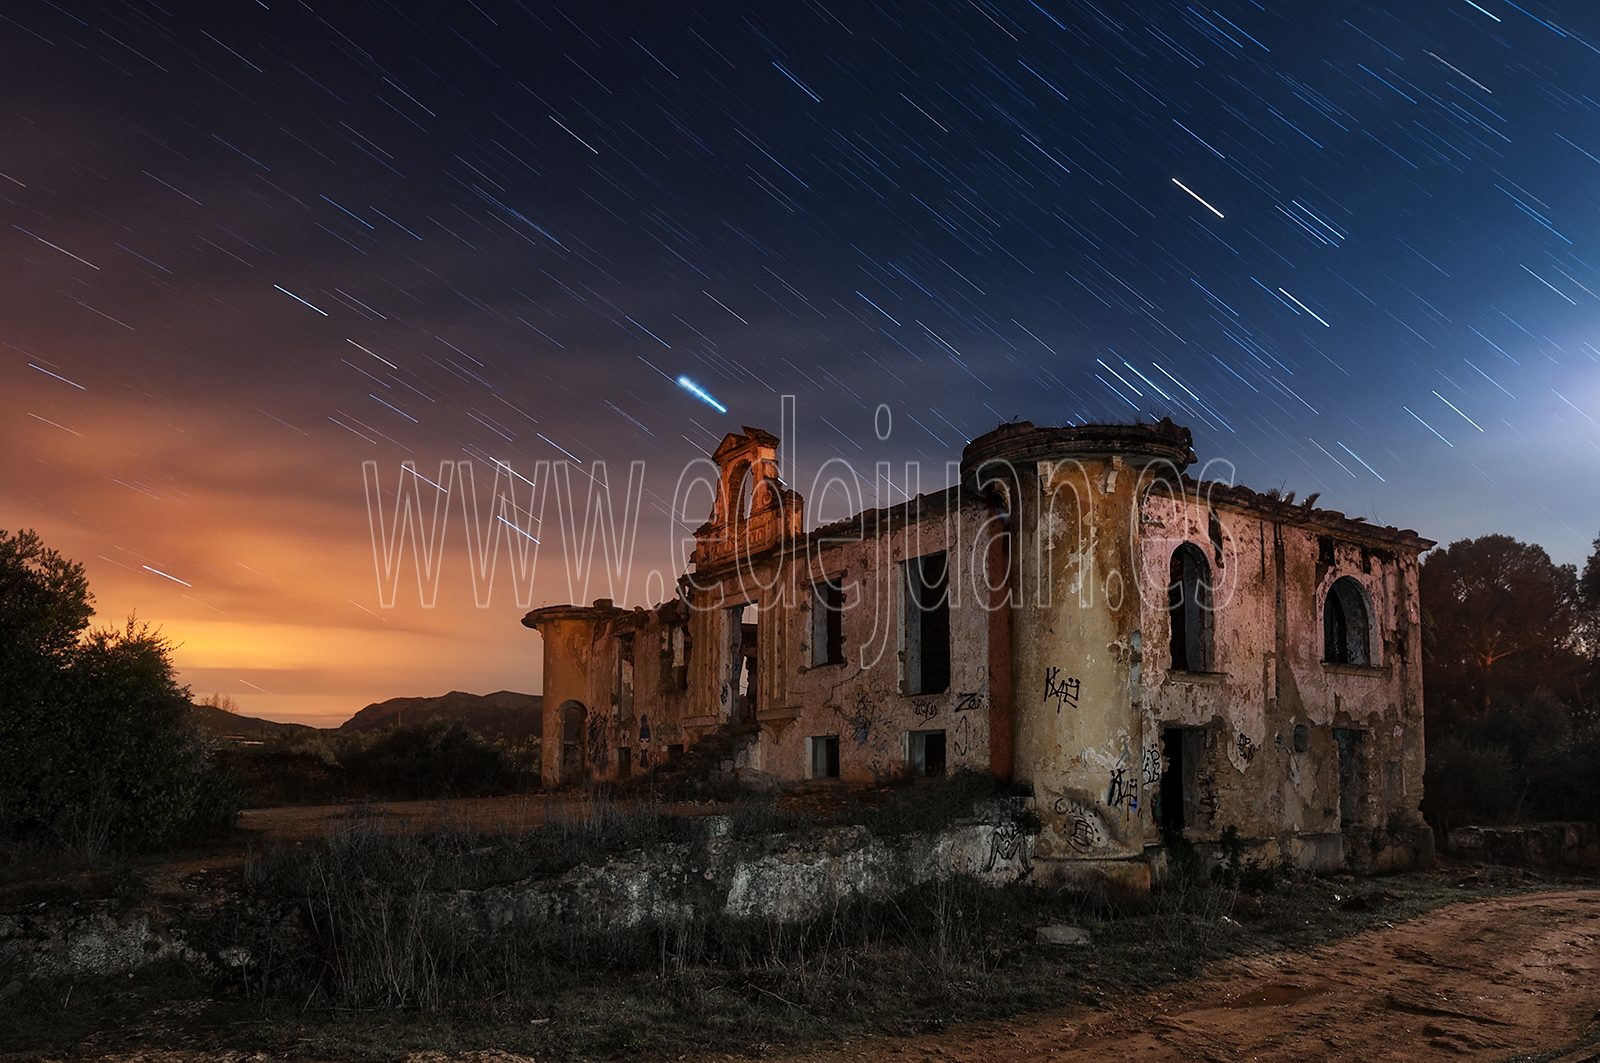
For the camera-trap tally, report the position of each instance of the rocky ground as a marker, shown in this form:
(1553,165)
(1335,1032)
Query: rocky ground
(1492,979)
(1496,975)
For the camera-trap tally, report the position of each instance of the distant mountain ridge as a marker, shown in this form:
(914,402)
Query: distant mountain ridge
(503,712)
(223,722)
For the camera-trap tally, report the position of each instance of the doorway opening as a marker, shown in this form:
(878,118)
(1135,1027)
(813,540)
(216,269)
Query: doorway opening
(1178,799)
(572,759)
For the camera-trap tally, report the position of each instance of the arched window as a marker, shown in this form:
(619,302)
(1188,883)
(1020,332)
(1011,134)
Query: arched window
(1189,609)
(1345,624)
(573,717)
(738,488)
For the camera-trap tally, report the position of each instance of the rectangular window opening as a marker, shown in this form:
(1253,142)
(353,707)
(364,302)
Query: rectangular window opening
(674,659)
(825,757)
(624,762)
(624,686)
(926,644)
(926,753)
(742,690)
(827,623)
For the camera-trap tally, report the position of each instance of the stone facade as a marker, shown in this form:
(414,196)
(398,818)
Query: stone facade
(1151,656)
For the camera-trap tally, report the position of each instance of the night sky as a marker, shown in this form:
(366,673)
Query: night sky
(247,246)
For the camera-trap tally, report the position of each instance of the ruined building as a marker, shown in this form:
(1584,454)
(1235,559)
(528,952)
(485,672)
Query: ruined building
(1149,655)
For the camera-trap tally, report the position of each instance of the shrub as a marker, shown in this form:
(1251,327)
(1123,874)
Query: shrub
(100,754)
(436,759)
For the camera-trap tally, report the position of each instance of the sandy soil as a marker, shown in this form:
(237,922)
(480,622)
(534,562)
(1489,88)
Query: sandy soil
(1476,980)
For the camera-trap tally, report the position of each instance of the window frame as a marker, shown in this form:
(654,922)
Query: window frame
(1342,642)
(825,748)
(1196,624)
(827,622)
(921,673)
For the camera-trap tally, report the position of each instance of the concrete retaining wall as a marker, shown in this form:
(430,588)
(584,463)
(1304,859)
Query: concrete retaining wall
(1536,845)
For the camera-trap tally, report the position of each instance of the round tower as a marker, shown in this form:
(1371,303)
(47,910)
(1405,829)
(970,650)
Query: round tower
(1072,500)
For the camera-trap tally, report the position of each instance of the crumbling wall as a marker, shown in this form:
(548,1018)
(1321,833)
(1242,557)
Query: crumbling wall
(1315,763)
(863,700)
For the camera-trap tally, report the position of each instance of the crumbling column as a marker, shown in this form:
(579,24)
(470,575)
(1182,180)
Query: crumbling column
(1073,499)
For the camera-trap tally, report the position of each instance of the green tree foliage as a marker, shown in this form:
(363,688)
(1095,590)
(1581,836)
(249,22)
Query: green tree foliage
(1499,617)
(1511,661)
(97,750)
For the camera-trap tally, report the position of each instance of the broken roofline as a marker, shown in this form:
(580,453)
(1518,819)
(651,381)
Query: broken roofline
(1241,499)
(1011,454)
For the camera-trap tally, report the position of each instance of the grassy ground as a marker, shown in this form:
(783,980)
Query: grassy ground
(941,953)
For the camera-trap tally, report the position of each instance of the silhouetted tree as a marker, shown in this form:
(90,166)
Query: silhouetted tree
(1499,617)
(97,749)
(1588,638)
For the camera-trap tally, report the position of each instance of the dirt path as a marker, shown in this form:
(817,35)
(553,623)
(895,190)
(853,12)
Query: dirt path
(1477,980)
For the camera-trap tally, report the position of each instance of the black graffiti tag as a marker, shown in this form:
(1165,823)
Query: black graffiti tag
(1065,691)
(1150,772)
(1247,748)
(1122,790)
(1008,843)
(968,700)
(924,710)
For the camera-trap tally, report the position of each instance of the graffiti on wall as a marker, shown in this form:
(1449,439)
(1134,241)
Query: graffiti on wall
(1082,827)
(1123,790)
(1150,769)
(1247,748)
(1063,690)
(1008,844)
(924,709)
(962,738)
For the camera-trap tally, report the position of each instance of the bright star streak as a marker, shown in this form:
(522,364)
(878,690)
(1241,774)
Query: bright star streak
(700,393)
(158,572)
(1202,202)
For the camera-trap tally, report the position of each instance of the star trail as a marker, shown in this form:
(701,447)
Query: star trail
(250,245)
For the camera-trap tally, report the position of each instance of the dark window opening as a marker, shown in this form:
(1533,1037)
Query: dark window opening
(674,750)
(825,757)
(1178,796)
(743,639)
(674,659)
(827,623)
(927,753)
(624,685)
(1189,609)
(624,762)
(1345,624)
(1350,775)
(572,760)
(927,625)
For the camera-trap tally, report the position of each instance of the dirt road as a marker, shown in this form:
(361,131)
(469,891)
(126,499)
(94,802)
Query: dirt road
(1477,980)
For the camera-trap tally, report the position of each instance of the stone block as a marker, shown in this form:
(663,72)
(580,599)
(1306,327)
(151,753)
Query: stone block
(1062,935)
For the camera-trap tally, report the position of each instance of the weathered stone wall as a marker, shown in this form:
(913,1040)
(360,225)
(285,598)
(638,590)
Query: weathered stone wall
(1536,845)
(784,877)
(863,700)
(1271,707)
